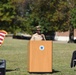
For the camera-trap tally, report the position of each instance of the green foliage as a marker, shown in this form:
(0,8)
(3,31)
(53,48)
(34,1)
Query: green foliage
(24,15)
(7,14)
(7,11)
(73,17)
(52,15)
(10,18)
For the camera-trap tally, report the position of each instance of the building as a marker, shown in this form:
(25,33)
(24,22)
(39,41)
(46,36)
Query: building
(64,36)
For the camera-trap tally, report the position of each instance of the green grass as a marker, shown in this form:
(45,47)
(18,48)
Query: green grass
(15,52)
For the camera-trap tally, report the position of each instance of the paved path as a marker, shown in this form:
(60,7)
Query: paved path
(60,41)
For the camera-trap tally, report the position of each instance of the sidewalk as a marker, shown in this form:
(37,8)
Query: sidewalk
(60,41)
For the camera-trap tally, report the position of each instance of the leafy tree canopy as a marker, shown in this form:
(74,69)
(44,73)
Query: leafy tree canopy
(52,15)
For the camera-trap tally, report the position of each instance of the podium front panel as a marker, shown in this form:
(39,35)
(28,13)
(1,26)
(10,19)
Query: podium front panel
(40,56)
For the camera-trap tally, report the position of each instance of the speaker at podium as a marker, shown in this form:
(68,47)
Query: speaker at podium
(40,56)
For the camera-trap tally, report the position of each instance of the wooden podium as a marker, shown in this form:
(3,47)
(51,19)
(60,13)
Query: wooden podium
(40,56)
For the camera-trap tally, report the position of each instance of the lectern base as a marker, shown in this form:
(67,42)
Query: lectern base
(41,72)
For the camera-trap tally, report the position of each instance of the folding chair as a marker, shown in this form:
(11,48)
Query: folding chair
(73,60)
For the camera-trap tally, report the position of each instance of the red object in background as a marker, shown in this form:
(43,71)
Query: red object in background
(2,36)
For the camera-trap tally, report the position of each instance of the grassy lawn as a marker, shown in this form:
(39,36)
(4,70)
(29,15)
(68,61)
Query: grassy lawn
(15,52)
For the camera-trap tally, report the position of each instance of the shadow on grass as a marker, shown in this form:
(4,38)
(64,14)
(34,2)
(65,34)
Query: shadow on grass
(74,69)
(9,70)
(54,71)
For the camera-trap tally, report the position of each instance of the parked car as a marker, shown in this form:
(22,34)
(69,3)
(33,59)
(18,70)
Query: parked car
(22,36)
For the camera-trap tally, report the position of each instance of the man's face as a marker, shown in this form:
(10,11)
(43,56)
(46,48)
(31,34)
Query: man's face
(39,31)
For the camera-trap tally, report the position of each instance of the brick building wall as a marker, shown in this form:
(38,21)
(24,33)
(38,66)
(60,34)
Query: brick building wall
(64,36)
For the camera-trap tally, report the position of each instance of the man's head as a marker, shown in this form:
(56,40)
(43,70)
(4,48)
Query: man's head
(38,29)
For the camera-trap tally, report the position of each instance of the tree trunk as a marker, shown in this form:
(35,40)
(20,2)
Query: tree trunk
(71,34)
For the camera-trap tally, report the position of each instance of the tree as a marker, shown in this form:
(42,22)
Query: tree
(72,5)
(50,14)
(73,17)
(7,14)
(12,15)
(22,20)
